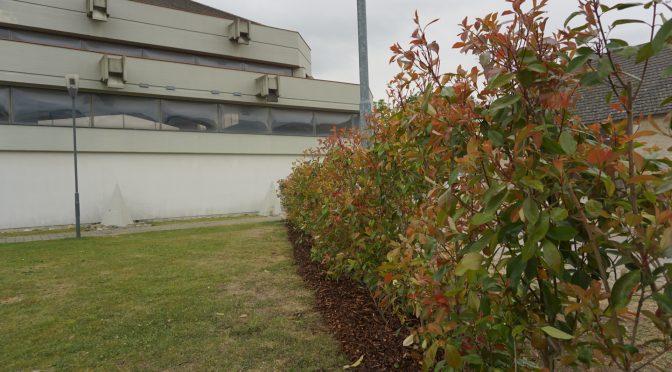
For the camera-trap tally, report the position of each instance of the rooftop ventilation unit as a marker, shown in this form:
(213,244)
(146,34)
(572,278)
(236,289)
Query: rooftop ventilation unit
(268,86)
(239,31)
(97,10)
(113,71)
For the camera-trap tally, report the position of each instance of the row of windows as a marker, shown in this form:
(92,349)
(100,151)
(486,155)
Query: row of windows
(141,52)
(28,106)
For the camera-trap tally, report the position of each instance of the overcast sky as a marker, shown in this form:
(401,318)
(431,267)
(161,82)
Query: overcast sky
(330,28)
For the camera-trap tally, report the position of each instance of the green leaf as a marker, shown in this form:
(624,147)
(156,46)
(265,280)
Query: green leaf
(531,211)
(482,218)
(496,137)
(622,290)
(559,214)
(604,67)
(593,208)
(552,257)
(532,183)
(504,102)
(645,52)
(500,80)
(536,67)
(590,79)
(452,356)
(556,333)
(571,16)
(664,187)
(539,230)
(609,185)
(667,101)
(664,302)
(578,62)
(562,233)
(667,72)
(625,6)
(568,143)
(470,262)
(619,22)
(530,250)
(661,37)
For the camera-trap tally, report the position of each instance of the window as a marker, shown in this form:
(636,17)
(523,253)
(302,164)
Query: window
(244,119)
(189,116)
(292,122)
(219,62)
(327,121)
(4,105)
(125,112)
(165,55)
(112,48)
(268,69)
(47,39)
(49,107)
(4,33)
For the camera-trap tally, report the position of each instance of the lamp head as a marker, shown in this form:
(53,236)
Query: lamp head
(72,83)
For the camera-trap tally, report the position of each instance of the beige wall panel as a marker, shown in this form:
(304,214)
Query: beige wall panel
(25,63)
(153,185)
(57,139)
(662,141)
(139,23)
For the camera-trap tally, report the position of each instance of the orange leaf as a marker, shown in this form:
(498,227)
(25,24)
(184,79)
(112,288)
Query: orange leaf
(642,179)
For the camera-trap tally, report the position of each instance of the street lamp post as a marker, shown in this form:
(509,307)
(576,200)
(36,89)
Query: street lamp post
(364,95)
(72,82)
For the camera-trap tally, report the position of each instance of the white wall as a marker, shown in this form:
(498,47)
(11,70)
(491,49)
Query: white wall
(37,188)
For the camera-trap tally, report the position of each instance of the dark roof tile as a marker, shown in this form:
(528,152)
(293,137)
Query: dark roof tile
(592,106)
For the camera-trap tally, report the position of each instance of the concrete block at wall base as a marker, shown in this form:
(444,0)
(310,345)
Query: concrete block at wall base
(271,205)
(117,213)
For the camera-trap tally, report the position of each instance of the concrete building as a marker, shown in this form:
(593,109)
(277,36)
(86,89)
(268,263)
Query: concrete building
(191,111)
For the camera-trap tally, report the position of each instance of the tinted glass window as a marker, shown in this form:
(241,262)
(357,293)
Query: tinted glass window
(292,122)
(189,116)
(244,119)
(40,38)
(268,69)
(4,33)
(219,62)
(119,49)
(125,112)
(4,105)
(48,107)
(327,121)
(165,55)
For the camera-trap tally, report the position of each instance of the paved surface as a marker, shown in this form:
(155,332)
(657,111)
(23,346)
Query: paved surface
(137,229)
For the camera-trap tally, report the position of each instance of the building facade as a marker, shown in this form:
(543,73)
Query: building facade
(191,111)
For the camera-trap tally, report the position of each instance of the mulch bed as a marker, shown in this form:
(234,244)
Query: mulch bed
(352,316)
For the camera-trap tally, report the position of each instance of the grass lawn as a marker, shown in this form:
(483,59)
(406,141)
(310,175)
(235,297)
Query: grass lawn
(222,298)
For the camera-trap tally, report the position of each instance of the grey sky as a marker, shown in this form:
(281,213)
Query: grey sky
(330,28)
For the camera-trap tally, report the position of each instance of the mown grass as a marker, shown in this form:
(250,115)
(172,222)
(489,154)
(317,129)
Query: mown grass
(223,298)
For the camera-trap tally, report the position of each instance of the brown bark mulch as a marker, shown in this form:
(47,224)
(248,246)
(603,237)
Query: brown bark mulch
(352,316)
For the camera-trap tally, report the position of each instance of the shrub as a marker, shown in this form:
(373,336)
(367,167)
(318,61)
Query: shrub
(503,229)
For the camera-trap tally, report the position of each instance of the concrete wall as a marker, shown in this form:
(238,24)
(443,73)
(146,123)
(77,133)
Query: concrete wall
(662,141)
(37,188)
(161,174)
(25,64)
(151,25)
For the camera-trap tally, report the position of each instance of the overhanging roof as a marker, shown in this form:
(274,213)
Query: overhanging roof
(191,7)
